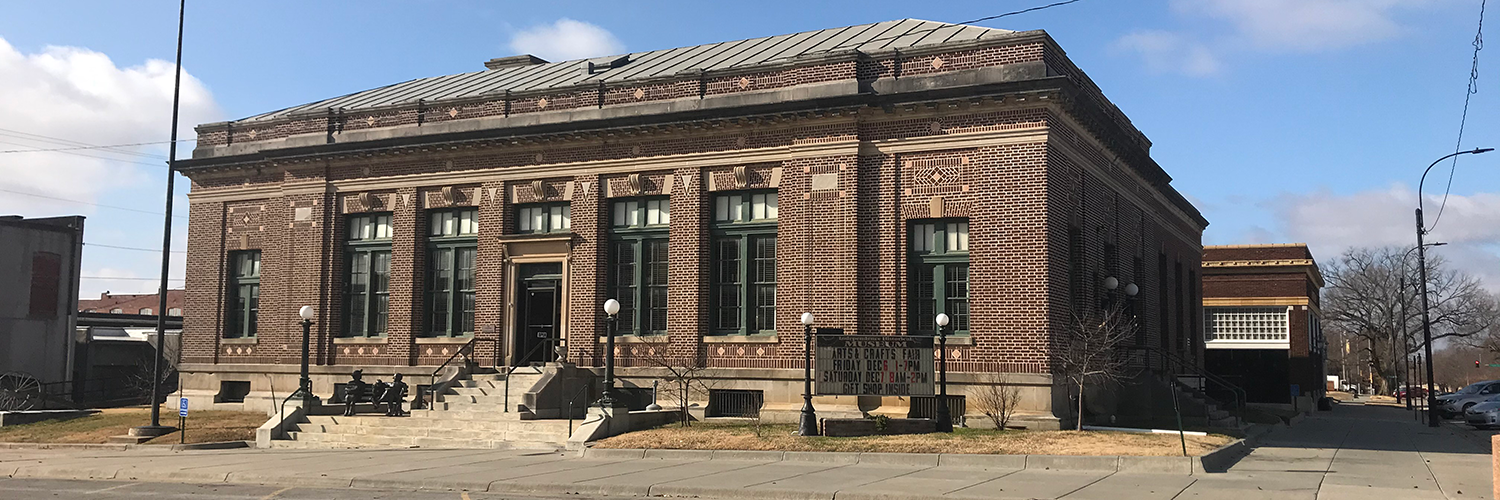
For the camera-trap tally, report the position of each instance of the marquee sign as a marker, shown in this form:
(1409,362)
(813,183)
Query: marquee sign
(874,365)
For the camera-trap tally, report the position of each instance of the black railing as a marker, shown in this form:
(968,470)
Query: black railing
(926,407)
(515,364)
(1178,367)
(425,393)
(734,403)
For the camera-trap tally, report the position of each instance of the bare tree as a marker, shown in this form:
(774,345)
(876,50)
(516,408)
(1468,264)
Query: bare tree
(997,399)
(686,375)
(1372,307)
(1089,350)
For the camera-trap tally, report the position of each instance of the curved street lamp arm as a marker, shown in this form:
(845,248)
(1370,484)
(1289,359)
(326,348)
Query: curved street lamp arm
(1420,183)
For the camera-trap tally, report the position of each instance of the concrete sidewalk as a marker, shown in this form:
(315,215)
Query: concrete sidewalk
(1369,453)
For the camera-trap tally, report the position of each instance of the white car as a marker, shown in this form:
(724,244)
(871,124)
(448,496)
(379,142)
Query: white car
(1454,405)
(1484,414)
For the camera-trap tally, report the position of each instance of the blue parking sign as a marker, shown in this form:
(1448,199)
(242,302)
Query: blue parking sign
(182,407)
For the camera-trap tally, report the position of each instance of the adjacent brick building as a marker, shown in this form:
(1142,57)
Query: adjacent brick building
(1262,317)
(872,175)
(135,303)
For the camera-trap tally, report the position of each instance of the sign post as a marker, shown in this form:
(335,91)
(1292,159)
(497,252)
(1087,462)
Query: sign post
(875,365)
(182,420)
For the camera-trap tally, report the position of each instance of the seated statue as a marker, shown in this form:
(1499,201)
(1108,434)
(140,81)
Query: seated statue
(354,391)
(393,396)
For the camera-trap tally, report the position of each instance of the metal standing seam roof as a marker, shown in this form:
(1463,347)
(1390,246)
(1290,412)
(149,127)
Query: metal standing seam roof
(899,34)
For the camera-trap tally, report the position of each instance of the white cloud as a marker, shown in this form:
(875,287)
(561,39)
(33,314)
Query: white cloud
(81,95)
(1331,224)
(1304,25)
(566,39)
(1278,26)
(1166,52)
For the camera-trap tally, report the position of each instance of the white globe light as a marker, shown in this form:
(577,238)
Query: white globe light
(306,312)
(1131,289)
(611,307)
(942,319)
(1111,283)
(807,318)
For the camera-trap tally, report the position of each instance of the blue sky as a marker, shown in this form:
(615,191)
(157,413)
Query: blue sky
(1283,120)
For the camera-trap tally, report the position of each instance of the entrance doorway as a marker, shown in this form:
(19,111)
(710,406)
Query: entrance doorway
(539,311)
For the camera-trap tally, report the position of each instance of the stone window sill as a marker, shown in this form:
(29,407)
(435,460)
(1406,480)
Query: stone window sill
(359,340)
(638,339)
(240,341)
(740,339)
(443,340)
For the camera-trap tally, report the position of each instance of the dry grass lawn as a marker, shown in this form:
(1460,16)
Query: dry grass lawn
(202,427)
(705,436)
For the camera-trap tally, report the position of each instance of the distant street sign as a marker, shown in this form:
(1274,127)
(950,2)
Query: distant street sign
(1296,390)
(182,407)
(874,365)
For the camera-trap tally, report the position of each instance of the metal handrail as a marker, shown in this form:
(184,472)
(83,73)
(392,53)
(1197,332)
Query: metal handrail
(465,350)
(512,369)
(1240,396)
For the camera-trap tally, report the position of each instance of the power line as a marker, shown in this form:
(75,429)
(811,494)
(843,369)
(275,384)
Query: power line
(112,207)
(972,21)
(130,279)
(1463,119)
(152,250)
(106,158)
(68,142)
(77,148)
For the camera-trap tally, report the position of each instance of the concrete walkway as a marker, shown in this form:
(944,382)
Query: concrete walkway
(1368,453)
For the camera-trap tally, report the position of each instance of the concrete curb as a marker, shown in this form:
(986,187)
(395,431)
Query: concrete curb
(1215,461)
(63,446)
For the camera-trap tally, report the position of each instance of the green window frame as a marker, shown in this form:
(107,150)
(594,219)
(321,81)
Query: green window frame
(638,254)
(536,218)
(939,272)
(368,265)
(243,302)
(452,254)
(743,280)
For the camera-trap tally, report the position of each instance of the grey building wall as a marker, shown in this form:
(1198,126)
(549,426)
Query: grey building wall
(39,265)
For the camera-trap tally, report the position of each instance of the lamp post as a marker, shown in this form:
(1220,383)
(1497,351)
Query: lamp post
(1432,419)
(1406,339)
(809,424)
(944,418)
(611,308)
(305,387)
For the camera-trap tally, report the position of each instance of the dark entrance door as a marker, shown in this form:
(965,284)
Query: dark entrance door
(537,313)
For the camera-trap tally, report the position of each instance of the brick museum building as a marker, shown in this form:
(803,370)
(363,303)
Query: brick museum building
(1263,321)
(873,175)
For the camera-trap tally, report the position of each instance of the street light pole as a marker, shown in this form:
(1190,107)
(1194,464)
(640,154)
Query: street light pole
(1432,419)
(611,308)
(1405,336)
(944,417)
(156,429)
(305,387)
(809,424)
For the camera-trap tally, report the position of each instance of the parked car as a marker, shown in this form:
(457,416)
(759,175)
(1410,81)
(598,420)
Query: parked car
(1484,414)
(1454,405)
(1416,392)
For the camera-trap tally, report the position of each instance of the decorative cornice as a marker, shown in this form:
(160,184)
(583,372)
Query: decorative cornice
(1259,263)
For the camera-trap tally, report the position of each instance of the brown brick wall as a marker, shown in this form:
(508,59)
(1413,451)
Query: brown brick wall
(841,251)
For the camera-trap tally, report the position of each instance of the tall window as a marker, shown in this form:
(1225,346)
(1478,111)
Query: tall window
(939,275)
(244,294)
(544,218)
(638,264)
(744,263)
(453,248)
(367,291)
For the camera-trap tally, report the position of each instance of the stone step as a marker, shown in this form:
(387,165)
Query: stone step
(512,434)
